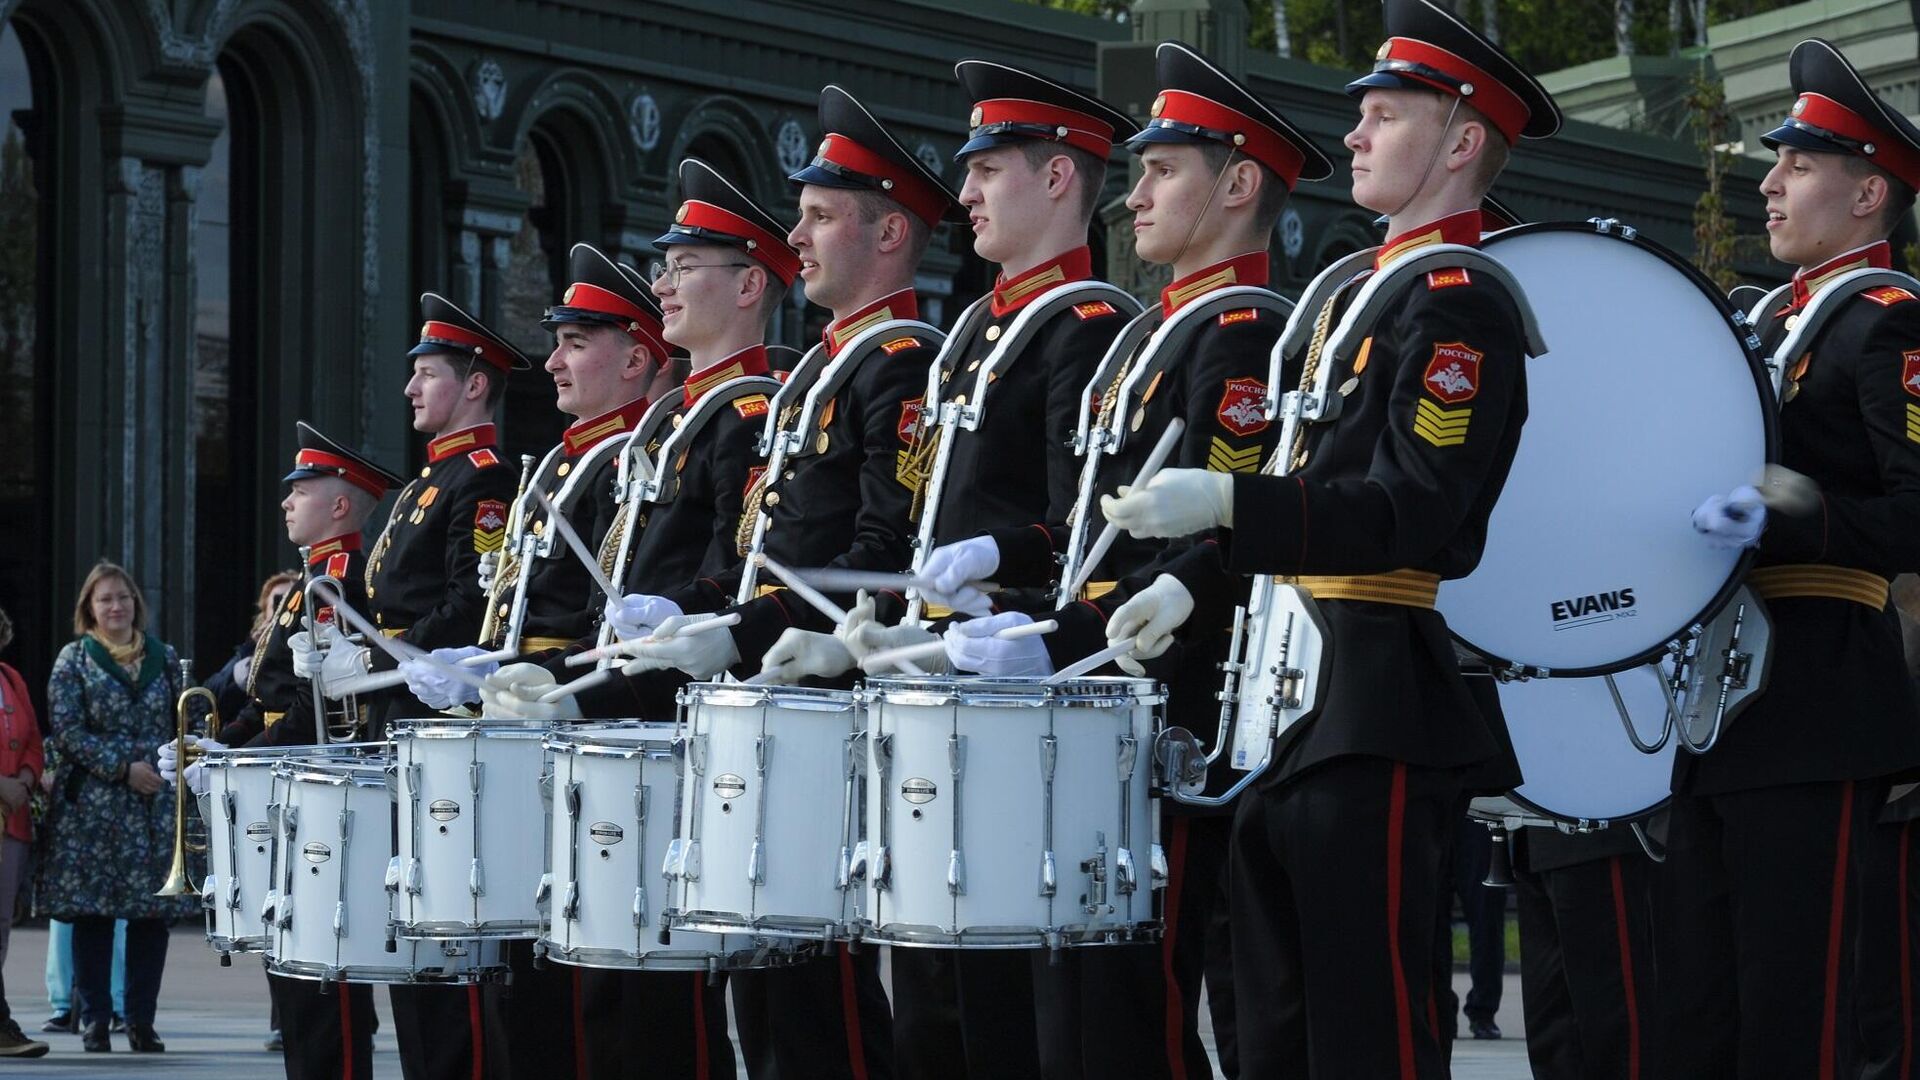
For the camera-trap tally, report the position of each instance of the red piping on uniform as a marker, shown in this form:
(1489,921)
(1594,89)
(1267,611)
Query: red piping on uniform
(782,604)
(1396,837)
(473,1027)
(1096,610)
(1906,962)
(1626,969)
(1828,1022)
(850,1016)
(1176,1021)
(346,1030)
(1044,531)
(699,1025)
(579,1030)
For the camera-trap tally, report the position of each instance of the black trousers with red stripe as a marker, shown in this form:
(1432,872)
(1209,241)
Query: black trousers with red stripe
(1586,968)
(529,1020)
(959,1013)
(826,1019)
(438,1031)
(1133,1010)
(653,1023)
(1888,954)
(327,1028)
(1334,879)
(1757,930)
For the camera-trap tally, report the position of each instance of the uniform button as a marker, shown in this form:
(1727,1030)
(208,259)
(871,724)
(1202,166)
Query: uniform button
(975,366)
(565,468)
(993,333)
(424,473)
(503,611)
(773,498)
(539,527)
(788,475)
(1793,321)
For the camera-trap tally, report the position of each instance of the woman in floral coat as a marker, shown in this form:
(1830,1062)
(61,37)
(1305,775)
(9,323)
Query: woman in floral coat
(111,698)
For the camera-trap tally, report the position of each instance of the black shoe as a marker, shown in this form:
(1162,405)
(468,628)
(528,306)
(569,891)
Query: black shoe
(14,1042)
(1484,1029)
(142,1039)
(93,1039)
(66,1023)
(119,1024)
(275,1044)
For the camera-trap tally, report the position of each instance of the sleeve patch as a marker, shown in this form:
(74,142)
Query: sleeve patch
(1228,318)
(909,418)
(1453,375)
(489,525)
(1888,295)
(1910,371)
(1242,408)
(900,344)
(1441,427)
(1094,310)
(484,459)
(1913,422)
(1222,457)
(337,565)
(754,473)
(1447,279)
(750,406)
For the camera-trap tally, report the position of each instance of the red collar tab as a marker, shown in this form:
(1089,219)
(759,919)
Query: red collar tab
(345,468)
(770,250)
(1186,111)
(1460,228)
(901,305)
(454,442)
(326,549)
(1875,256)
(842,156)
(748,361)
(459,339)
(1247,269)
(587,434)
(1422,62)
(642,325)
(1036,120)
(1012,294)
(1826,118)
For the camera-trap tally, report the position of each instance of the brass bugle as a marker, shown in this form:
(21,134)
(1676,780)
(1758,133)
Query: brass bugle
(177,883)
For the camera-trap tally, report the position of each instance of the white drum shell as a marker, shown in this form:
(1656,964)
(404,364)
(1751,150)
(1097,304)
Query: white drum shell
(972,752)
(239,845)
(1579,766)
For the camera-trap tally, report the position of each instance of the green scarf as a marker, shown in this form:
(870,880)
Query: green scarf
(153,662)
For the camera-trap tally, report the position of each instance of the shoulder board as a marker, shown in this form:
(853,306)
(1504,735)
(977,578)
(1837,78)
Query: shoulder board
(337,565)
(1094,310)
(750,406)
(484,459)
(1888,295)
(899,344)
(1228,318)
(1447,279)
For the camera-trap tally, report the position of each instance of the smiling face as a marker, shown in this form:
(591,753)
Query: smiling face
(834,243)
(112,606)
(701,293)
(315,509)
(1174,189)
(1007,202)
(1393,145)
(1818,206)
(435,391)
(590,365)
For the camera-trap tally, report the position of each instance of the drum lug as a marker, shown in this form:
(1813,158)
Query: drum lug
(570,904)
(340,918)
(1095,868)
(881,869)
(414,871)
(1049,875)
(281,911)
(956,873)
(1158,867)
(757,857)
(1607,226)
(392,880)
(690,861)
(676,858)
(1049,757)
(640,905)
(476,883)
(1128,757)
(543,890)
(853,865)
(1124,879)
(956,859)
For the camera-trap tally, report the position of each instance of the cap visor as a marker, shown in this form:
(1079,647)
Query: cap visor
(1149,135)
(1800,139)
(1384,80)
(819,177)
(987,142)
(562,316)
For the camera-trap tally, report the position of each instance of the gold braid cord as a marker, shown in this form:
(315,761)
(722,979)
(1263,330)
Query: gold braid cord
(1109,400)
(492,621)
(616,538)
(1308,373)
(916,466)
(750,515)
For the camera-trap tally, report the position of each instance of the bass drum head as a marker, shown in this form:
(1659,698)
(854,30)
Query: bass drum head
(1574,754)
(1648,400)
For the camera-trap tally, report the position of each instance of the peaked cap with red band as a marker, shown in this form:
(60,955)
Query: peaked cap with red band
(1427,48)
(604,293)
(1835,113)
(321,456)
(1014,106)
(449,331)
(1199,103)
(713,211)
(858,153)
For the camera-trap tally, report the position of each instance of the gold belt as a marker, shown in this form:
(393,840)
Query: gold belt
(392,631)
(1094,590)
(1832,582)
(272,718)
(1408,588)
(542,644)
(936,611)
(765,590)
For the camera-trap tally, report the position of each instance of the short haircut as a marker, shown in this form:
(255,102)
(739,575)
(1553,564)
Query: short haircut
(104,571)
(1273,190)
(773,296)
(874,205)
(1088,170)
(1494,151)
(1899,196)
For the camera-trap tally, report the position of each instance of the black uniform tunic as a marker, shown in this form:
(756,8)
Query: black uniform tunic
(422,575)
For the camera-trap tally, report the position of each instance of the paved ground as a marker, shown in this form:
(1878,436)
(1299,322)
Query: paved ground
(213,1020)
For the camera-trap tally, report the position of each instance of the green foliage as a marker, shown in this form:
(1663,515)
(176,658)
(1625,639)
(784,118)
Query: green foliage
(1714,242)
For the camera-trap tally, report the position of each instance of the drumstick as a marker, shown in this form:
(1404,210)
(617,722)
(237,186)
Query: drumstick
(399,650)
(621,648)
(587,682)
(565,528)
(840,580)
(893,657)
(1088,663)
(1787,491)
(1111,532)
(812,596)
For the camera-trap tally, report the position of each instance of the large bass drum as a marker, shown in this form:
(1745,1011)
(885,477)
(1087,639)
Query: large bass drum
(1579,764)
(1652,397)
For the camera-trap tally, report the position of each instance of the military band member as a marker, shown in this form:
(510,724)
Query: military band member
(1337,852)
(1771,830)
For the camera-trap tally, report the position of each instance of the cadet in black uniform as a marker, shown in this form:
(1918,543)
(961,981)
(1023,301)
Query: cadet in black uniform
(1770,830)
(1337,851)
(1217,166)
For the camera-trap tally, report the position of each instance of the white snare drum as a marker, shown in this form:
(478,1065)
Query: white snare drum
(470,818)
(769,818)
(239,844)
(1579,765)
(1591,562)
(615,787)
(327,913)
(1010,813)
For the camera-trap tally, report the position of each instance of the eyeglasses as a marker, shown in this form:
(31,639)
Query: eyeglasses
(673,274)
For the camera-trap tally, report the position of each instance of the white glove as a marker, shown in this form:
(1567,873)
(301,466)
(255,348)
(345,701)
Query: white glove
(800,653)
(1176,502)
(344,662)
(971,646)
(1734,520)
(1149,619)
(954,567)
(513,693)
(701,655)
(304,650)
(863,635)
(437,690)
(170,763)
(636,615)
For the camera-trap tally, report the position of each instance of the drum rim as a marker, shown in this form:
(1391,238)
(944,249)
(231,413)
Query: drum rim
(1748,338)
(1106,688)
(332,775)
(764,691)
(1527,805)
(462,729)
(576,744)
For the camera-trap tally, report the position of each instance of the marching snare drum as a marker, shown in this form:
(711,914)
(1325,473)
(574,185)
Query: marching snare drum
(1591,562)
(764,845)
(615,787)
(1010,813)
(470,815)
(1579,764)
(239,843)
(327,913)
